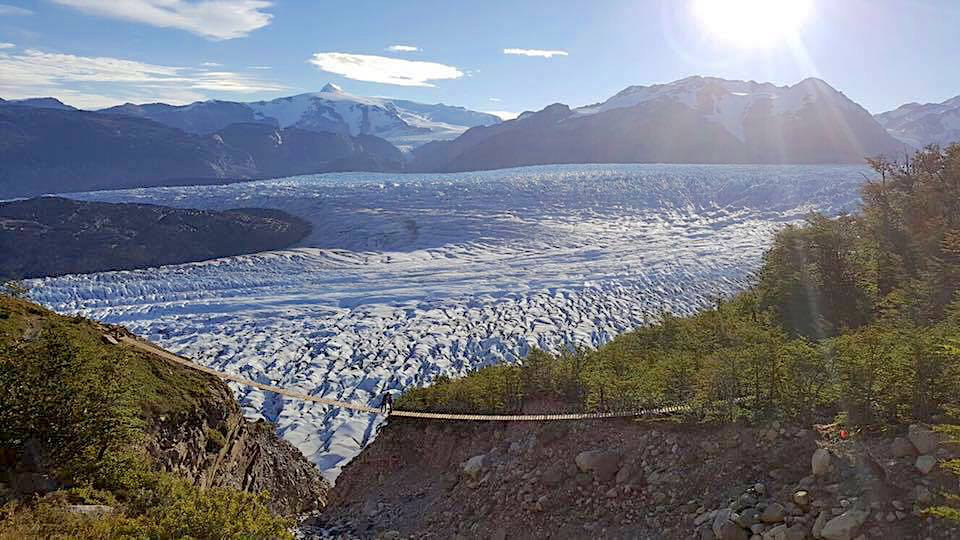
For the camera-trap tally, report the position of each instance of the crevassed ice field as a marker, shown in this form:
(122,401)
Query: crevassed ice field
(407,277)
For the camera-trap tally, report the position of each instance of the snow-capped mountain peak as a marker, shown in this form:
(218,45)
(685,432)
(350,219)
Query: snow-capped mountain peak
(728,102)
(406,124)
(331,88)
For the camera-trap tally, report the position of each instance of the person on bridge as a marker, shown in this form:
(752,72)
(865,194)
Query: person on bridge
(386,402)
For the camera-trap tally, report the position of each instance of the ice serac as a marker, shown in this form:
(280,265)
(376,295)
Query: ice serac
(408,277)
(693,120)
(922,124)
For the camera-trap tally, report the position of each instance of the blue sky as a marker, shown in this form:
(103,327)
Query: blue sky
(881,53)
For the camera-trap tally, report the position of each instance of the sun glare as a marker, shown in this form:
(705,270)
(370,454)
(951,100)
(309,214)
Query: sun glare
(751,23)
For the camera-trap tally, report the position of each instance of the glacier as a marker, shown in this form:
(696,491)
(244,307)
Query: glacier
(408,277)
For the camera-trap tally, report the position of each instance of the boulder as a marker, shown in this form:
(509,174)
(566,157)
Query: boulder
(773,513)
(924,439)
(747,518)
(820,462)
(802,498)
(925,464)
(731,531)
(820,523)
(475,466)
(797,531)
(604,464)
(901,447)
(777,533)
(625,473)
(710,447)
(725,529)
(845,526)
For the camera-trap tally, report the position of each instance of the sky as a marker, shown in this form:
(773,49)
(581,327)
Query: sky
(491,55)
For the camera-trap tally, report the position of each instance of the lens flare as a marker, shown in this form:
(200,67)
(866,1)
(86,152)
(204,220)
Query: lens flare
(751,23)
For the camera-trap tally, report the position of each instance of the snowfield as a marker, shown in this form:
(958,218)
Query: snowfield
(407,277)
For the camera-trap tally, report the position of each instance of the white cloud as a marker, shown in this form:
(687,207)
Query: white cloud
(261,67)
(6,9)
(211,64)
(403,48)
(504,115)
(100,81)
(535,52)
(7,45)
(496,99)
(214,19)
(381,69)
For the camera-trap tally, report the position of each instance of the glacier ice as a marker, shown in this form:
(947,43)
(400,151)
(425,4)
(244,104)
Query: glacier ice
(407,277)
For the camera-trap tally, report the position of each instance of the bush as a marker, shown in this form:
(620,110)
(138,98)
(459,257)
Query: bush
(80,407)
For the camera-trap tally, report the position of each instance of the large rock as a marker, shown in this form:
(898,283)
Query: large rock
(844,526)
(924,439)
(777,533)
(475,466)
(604,464)
(901,447)
(925,464)
(820,462)
(725,529)
(797,531)
(773,513)
(820,523)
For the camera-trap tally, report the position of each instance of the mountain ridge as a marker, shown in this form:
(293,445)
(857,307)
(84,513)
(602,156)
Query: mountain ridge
(921,124)
(404,123)
(47,150)
(693,120)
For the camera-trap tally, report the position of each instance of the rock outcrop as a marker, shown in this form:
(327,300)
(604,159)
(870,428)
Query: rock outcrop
(218,447)
(623,479)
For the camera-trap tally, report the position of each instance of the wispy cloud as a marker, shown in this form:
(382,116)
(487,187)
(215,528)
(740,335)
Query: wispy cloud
(211,64)
(7,45)
(6,9)
(535,52)
(381,69)
(496,99)
(504,115)
(87,81)
(403,48)
(213,19)
(261,67)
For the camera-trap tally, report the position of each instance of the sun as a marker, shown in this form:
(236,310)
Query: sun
(751,23)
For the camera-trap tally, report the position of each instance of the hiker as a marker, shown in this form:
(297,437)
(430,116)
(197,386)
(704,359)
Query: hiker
(386,401)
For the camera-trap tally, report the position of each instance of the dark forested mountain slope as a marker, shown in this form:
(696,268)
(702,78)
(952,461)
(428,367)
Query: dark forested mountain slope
(50,236)
(47,150)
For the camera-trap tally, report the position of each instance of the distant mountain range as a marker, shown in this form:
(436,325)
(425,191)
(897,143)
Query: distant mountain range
(919,125)
(49,147)
(56,150)
(694,120)
(406,124)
